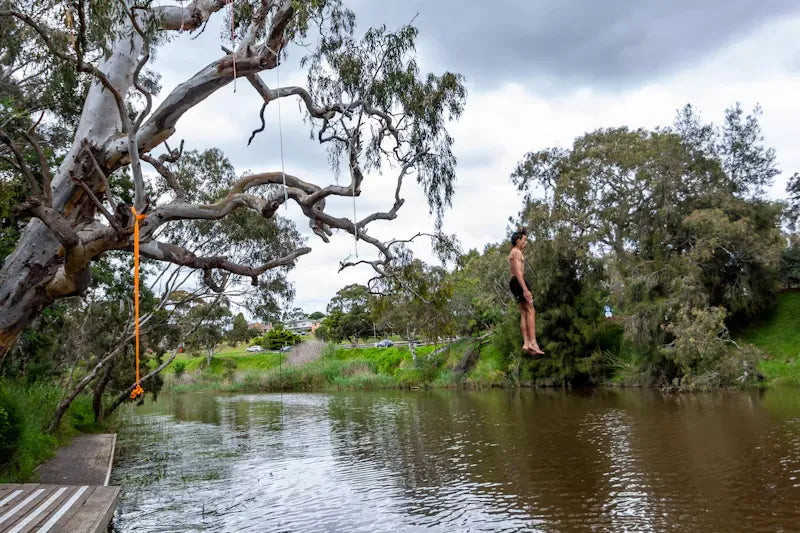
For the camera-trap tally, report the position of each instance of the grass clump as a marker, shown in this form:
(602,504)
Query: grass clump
(25,412)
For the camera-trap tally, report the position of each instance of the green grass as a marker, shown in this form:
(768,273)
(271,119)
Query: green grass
(338,368)
(778,334)
(380,360)
(244,362)
(490,368)
(34,406)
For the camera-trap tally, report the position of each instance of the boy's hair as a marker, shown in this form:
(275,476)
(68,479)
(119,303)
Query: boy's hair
(517,235)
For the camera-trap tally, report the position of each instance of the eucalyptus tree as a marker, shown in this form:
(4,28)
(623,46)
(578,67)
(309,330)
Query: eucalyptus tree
(365,98)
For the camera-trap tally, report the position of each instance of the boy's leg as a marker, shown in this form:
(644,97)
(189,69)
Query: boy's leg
(531,326)
(523,325)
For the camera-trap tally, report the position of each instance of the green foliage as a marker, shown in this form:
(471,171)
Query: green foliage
(777,333)
(380,360)
(492,368)
(34,406)
(416,301)
(228,368)
(243,363)
(790,263)
(12,193)
(348,315)
(381,71)
(672,222)
(179,368)
(10,426)
(239,332)
(207,320)
(278,337)
(793,210)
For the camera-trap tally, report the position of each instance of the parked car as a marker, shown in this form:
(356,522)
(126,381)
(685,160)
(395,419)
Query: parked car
(255,348)
(385,343)
(286,348)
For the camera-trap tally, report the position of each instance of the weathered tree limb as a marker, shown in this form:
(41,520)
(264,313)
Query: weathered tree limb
(188,17)
(177,255)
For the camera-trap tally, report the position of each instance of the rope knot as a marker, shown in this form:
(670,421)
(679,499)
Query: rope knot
(137,391)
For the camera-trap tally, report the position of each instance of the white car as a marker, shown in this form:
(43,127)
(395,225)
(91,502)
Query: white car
(255,348)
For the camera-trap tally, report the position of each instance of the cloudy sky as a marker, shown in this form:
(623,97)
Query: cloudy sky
(539,73)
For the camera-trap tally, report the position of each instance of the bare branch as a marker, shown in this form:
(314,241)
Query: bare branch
(36,190)
(172,253)
(106,186)
(47,193)
(111,220)
(256,25)
(167,174)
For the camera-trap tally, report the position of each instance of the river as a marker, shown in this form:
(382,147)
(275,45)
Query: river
(442,460)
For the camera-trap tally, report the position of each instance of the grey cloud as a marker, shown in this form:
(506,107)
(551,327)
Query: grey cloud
(552,42)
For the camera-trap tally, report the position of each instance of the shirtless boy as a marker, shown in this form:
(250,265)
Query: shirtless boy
(519,288)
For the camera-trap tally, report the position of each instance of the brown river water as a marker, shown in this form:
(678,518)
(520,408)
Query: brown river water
(498,460)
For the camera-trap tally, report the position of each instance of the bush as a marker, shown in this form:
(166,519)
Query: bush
(179,368)
(277,338)
(228,368)
(10,427)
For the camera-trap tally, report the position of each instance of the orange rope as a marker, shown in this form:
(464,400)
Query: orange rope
(138,390)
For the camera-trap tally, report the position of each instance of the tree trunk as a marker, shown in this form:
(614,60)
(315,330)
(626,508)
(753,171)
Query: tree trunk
(65,403)
(26,277)
(411,336)
(209,355)
(97,401)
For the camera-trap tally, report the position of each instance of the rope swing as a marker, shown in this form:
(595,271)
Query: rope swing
(280,125)
(137,391)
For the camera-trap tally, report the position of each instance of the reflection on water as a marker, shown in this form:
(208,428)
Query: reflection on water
(461,460)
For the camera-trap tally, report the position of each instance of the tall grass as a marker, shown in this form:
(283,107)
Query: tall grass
(329,367)
(25,439)
(778,334)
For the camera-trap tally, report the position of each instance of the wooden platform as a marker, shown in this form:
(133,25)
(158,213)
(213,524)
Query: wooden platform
(73,496)
(53,508)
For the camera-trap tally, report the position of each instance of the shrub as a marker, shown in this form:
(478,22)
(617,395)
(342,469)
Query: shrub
(10,427)
(179,368)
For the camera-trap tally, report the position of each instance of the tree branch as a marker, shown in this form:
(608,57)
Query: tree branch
(36,190)
(54,220)
(106,186)
(189,17)
(167,174)
(111,220)
(172,253)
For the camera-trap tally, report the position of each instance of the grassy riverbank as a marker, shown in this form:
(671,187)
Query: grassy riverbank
(332,368)
(313,366)
(25,412)
(778,335)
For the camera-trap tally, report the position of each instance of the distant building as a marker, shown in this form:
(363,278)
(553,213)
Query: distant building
(302,326)
(260,327)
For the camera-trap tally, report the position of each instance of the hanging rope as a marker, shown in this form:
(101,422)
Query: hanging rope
(280,124)
(355,226)
(136,219)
